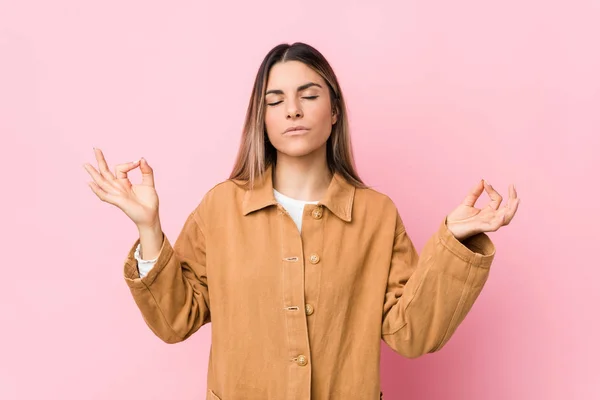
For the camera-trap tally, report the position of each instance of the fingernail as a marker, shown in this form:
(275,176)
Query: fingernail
(486,182)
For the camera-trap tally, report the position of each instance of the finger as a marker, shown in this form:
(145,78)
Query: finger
(100,180)
(102,166)
(496,220)
(495,197)
(473,195)
(512,210)
(147,173)
(102,195)
(121,170)
(512,200)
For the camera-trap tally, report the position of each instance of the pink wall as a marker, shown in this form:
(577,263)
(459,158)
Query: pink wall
(440,94)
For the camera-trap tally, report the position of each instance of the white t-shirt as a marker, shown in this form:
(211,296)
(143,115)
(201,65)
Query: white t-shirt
(294,207)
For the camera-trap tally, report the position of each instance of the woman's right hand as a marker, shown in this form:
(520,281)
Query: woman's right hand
(138,202)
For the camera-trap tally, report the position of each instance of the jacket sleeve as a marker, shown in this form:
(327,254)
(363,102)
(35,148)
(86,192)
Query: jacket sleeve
(428,296)
(173,296)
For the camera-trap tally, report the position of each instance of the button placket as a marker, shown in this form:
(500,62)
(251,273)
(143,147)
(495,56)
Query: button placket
(313,233)
(294,261)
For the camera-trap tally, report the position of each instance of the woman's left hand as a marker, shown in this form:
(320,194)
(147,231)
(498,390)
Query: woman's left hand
(466,220)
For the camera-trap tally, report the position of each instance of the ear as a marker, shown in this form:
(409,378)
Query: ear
(333,117)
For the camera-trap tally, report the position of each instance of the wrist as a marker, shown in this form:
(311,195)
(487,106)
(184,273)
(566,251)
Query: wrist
(152,229)
(458,231)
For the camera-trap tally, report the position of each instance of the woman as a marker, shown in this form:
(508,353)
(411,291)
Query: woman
(300,268)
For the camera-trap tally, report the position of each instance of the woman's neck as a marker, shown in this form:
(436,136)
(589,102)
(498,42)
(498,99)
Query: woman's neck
(302,178)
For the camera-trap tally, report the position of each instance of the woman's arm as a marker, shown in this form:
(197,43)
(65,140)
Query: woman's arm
(173,296)
(428,296)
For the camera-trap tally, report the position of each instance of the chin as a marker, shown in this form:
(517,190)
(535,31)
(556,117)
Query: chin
(298,150)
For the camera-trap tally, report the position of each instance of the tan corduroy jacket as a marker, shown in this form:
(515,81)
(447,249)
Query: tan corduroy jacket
(301,316)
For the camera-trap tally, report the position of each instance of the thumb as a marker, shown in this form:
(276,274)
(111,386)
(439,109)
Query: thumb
(147,173)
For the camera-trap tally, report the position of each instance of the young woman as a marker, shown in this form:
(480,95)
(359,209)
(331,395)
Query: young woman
(300,267)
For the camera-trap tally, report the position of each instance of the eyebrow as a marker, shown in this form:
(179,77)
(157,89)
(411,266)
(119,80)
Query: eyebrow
(299,89)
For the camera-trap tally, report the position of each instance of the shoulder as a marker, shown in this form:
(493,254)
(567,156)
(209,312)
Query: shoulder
(217,199)
(372,198)
(224,190)
(378,206)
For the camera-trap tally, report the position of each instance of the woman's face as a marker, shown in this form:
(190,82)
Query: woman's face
(297,96)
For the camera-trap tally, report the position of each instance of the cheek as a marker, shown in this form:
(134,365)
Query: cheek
(271,122)
(322,113)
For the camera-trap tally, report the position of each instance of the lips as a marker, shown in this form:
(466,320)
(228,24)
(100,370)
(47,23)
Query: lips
(293,129)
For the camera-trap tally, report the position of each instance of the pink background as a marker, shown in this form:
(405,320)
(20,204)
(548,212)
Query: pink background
(440,94)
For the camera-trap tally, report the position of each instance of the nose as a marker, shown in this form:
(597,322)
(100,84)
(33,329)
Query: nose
(294,111)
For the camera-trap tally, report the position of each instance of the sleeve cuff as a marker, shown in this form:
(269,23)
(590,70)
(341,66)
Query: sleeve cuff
(131,272)
(478,250)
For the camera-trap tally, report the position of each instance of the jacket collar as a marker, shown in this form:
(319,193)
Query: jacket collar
(338,198)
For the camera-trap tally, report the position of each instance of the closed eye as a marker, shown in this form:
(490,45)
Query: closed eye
(281,101)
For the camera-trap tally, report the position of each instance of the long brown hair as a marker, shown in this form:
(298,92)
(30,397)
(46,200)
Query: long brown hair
(256,153)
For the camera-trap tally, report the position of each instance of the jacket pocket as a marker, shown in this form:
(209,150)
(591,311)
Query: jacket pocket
(213,396)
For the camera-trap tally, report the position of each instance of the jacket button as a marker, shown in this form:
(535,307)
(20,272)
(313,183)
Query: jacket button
(317,213)
(302,360)
(314,258)
(309,309)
